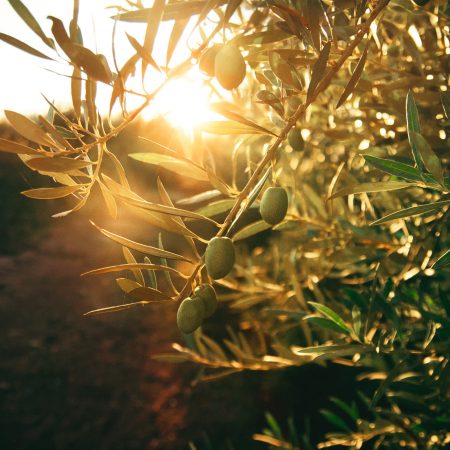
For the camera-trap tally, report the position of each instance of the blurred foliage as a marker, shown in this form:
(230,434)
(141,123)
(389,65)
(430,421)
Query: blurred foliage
(357,272)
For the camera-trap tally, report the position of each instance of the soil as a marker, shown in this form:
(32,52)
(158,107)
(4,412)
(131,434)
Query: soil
(73,382)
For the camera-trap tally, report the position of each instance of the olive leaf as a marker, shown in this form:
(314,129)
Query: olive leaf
(413,125)
(57,164)
(377,186)
(14,147)
(142,248)
(131,266)
(429,158)
(51,193)
(318,70)
(28,129)
(29,19)
(412,211)
(356,75)
(22,46)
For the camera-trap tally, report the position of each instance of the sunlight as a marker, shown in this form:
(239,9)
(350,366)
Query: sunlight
(184,102)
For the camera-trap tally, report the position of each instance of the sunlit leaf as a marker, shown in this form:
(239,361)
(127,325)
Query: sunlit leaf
(251,230)
(28,129)
(429,158)
(60,164)
(356,75)
(231,127)
(223,109)
(175,35)
(173,11)
(109,200)
(29,19)
(13,147)
(22,46)
(50,193)
(413,125)
(412,211)
(203,196)
(146,57)
(142,248)
(216,208)
(163,209)
(130,259)
(75,90)
(377,186)
(133,266)
(318,70)
(111,309)
(173,164)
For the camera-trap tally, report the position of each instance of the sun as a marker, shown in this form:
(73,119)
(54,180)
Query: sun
(184,102)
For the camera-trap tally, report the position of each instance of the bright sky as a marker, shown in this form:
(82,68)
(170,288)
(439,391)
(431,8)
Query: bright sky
(24,77)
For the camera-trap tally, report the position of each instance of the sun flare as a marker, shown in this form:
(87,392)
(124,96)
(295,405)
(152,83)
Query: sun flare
(184,102)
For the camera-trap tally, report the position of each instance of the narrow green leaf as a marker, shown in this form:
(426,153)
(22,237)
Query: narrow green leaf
(330,314)
(445,100)
(335,420)
(412,211)
(377,186)
(356,75)
(142,248)
(247,203)
(442,261)
(429,158)
(333,350)
(29,19)
(413,125)
(251,230)
(318,70)
(325,323)
(395,168)
(216,208)
(50,193)
(22,46)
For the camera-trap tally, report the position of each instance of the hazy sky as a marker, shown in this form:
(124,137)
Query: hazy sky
(23,77)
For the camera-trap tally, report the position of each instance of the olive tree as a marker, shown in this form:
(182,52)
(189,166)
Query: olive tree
(316,206)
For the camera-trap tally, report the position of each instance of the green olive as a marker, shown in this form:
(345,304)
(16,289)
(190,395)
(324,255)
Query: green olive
(229,67)
(295,139)
(219,257)
(274,205)
(207,60)
(190,314)
(207,294)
